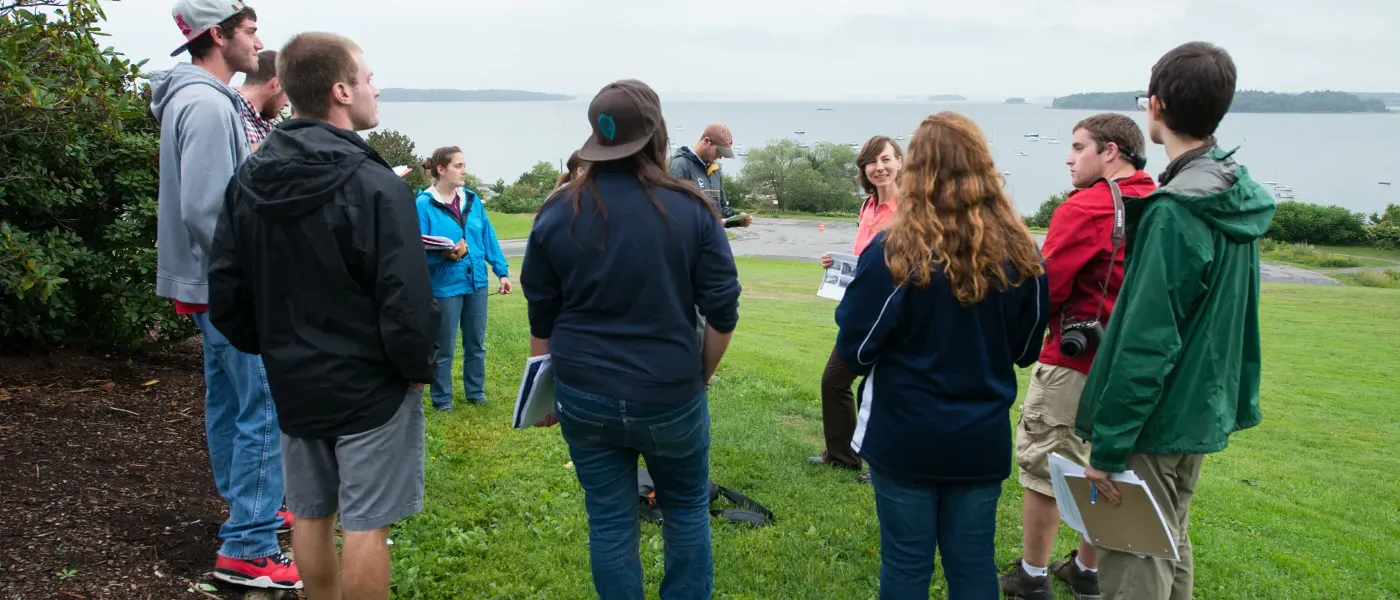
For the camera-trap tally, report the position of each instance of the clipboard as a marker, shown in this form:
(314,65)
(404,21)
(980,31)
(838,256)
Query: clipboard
(536,396)
(1137,525)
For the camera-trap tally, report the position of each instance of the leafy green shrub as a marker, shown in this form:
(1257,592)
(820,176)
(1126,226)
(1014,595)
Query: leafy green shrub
(528,192)
(1385,235)
(1379,279)
(397,150)
(1041,218)
(1302,222)
(818,179)
(1305,255)
(78,184)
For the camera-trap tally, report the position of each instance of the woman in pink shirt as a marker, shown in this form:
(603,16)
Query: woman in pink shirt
(878,165)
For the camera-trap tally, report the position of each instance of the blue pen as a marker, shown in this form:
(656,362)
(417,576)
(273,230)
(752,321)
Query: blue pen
(1094,496)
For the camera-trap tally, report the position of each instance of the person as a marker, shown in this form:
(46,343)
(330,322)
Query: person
(573,169)
(942,307)
(447,209)
(1178,369)
(202,141)
(877,167)
(1085,268)
(262,99)
(701,165)
(614,270)
(318,265)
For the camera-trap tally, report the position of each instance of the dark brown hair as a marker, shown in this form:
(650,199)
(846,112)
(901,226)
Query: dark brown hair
(648,165)
(1195,85)
(1120,130)
(570,167)
(871,153)
(953,213)
(310,65)
(440,158)
(199,47)
(267,68)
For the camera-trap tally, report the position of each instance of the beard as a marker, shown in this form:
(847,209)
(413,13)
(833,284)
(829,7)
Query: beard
(271,110)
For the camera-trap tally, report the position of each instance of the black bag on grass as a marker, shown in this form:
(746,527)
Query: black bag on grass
(748,511)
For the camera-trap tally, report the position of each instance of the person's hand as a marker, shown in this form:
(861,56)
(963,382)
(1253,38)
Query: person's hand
(827,261)
(505,285)
(1107,489)
(748,220)
(417,386)
(549,420)
(460,250)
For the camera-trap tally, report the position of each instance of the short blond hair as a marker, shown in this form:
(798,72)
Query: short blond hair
(310,65)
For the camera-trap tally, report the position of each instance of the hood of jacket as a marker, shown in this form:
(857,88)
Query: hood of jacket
(301,166)
(1219,191)
(685,153)
(164,85)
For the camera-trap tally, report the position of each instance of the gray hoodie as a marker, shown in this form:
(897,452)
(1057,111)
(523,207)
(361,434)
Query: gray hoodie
(202,141)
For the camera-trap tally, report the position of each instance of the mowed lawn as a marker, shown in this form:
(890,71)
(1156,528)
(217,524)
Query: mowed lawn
(511,226)
(1303,506)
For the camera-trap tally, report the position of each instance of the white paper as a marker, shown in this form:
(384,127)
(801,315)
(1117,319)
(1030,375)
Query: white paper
(437,242)
(1061,468)
(535,399)
(401,170)
(837,276)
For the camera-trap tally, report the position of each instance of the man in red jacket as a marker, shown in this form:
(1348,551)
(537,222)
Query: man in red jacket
(1085,274)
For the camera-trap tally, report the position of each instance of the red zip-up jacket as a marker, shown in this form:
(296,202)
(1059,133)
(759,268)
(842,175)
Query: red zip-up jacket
(1076,252)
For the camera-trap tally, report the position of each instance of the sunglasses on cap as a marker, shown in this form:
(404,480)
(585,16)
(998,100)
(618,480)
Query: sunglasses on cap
(1143,102)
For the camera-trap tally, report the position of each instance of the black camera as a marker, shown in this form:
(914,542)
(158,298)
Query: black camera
(1079,335)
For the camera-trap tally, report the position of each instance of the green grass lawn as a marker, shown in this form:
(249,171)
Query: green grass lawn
(1386,257)
(511,226)
(1303,506)
(802,216)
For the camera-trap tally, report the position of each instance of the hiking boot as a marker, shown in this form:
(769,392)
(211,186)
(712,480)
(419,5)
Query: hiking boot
(274,572)
(863,478)
(1017,584)
(289,520)
(1083,584)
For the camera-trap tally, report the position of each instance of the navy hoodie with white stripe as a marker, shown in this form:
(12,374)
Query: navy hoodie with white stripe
(939,377)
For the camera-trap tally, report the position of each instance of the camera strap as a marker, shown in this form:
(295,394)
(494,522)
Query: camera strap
(1119,233)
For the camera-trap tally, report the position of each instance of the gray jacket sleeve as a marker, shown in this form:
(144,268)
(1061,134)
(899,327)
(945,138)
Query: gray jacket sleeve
(681,168)
(209,154)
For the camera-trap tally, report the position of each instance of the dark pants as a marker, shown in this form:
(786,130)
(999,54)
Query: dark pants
(958,522)
(839,411)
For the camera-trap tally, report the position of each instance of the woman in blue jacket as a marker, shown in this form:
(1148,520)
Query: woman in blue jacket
(941,310)
(459,276)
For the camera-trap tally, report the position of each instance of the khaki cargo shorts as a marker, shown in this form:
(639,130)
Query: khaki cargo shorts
(1047,425)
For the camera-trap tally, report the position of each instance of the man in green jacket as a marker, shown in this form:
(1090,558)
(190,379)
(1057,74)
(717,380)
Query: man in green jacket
(1178,369)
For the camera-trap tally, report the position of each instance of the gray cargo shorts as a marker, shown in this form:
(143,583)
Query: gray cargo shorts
(372,479)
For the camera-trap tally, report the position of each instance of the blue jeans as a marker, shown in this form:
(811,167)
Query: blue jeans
(959,520)
(467,313)
(245,447)
(605,436)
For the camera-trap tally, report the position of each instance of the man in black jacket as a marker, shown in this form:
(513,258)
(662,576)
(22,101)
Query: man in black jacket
(317,265)
(701,167)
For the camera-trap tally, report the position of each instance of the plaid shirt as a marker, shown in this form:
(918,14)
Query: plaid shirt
(257,127)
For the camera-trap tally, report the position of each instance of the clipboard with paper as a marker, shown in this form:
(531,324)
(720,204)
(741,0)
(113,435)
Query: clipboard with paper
(536,396)
(1137,525)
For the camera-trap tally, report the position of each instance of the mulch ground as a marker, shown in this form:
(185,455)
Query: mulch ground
(105,487)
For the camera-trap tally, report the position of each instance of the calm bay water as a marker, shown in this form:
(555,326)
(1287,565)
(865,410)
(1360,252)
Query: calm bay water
(1327,159)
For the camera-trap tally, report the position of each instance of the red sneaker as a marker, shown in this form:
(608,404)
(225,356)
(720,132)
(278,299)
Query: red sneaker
(276,571)
(288,520)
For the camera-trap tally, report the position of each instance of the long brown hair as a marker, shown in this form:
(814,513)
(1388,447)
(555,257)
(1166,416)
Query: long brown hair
(440,158)
(648,164)
(570,168)
(953,213)
(871,153)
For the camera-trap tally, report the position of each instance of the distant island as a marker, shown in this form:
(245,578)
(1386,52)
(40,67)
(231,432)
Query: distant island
(947,98)
(1389,98)
(1246,101)
(412,95)
(1015,100)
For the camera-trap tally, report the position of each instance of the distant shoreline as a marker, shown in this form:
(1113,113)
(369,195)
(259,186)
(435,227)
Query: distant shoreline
(1394,110)
(419,95)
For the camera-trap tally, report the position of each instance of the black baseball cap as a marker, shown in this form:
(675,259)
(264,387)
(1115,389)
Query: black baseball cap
(624,116)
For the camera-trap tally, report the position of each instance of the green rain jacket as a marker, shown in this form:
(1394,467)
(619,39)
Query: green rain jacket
(1178,369)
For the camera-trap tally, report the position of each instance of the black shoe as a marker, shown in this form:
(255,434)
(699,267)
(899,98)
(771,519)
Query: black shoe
(1083,584)
(864,478)
(825,459)
(1019,585)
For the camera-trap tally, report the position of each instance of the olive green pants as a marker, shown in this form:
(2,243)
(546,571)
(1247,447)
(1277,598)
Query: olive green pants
(1127,576)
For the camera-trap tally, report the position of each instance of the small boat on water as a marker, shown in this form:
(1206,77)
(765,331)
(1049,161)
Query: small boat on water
(800,132)
(825,109)
(1285,195)
(899,138)
(1269,183)
(1385,183)
(1020,153)
(1006,173)
(1052,141)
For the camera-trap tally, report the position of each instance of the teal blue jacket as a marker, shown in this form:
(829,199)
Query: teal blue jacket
(469,274)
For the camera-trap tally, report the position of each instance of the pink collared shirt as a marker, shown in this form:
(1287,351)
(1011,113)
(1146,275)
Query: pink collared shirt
(874,217)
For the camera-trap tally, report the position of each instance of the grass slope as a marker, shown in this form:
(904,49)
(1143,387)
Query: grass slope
(511,226)
(1303,506)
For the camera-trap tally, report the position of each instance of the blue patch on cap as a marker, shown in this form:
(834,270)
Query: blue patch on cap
(606,126)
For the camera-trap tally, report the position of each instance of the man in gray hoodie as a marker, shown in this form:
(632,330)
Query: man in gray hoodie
(202,141)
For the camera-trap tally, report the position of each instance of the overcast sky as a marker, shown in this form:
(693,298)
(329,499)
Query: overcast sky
(821,49)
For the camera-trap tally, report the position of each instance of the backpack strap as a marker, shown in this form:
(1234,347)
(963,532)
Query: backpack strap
(749,511)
